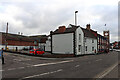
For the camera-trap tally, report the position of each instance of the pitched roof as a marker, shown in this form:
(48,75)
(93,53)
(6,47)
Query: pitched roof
(73,29)
(88,33)
(38,38)
(16,37)
(68,30)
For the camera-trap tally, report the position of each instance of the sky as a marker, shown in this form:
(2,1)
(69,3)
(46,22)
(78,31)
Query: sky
(39,17)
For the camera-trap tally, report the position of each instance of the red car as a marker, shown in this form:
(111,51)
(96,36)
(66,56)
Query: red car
(37,51)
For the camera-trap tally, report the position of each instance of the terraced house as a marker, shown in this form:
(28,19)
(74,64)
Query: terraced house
(73,40)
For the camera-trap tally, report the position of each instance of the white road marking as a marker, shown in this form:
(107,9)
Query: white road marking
(43,74)
(77,65)
(38,65)
(12,69)
(104,73)
(98,60)
(52,63)
(1,70)
(21,67)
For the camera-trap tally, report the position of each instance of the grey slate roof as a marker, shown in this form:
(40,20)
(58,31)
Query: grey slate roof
(88,33)
(68,30)
(38,38)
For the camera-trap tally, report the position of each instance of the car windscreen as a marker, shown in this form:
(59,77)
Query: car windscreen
(39,50)
(31,50)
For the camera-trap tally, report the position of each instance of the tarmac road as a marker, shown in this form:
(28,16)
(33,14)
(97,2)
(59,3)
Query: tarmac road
(89,66)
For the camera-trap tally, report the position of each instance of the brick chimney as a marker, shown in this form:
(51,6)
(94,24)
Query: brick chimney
(88,26)
(62,29)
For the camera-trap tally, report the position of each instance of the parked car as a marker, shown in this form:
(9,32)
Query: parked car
(37,51)
(117,50)
(111,49)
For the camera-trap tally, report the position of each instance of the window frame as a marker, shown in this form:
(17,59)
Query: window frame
(85,48)
(92,48)
(79,48)
(92,40)
(79,37)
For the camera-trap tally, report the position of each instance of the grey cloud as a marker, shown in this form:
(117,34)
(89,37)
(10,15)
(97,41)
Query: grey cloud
(43,16)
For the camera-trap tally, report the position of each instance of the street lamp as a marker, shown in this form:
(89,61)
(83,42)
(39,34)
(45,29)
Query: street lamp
(76,18)
(6,37)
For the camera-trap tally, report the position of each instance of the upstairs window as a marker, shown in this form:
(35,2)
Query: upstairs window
(92,40)
(84,39)
(79,37)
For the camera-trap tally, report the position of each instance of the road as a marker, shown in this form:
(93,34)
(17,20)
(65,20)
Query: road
(89,66)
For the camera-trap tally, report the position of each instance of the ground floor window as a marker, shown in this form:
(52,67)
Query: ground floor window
(79,48)
(85,48)
(92,48)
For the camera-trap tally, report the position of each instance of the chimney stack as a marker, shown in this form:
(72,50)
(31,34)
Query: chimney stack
(18,33)
(21,33)
(88,26)
(62,29)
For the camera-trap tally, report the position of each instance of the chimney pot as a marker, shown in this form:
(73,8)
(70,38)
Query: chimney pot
(88,26)
(62,29)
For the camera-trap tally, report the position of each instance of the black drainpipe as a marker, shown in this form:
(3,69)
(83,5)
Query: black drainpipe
(51,41)
(74,45)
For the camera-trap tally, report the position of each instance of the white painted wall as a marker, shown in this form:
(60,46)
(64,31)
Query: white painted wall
(79,31)
(89,45)
(14,47)
(62,43)
(42,45)
(1,46)
(48,46)
(0,38)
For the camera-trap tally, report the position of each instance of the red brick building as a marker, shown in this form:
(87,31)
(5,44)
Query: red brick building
(102,41)
(14,41)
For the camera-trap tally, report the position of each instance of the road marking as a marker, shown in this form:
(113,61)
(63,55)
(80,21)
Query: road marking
(1,70)
(12,69)
(21,67)
(98,60)
(22,59)
(77,65)
(38,65)
(47,73)
(104,73)
(52,63)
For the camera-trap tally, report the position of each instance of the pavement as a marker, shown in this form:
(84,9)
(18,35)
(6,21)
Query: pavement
(90,66)
(46,54)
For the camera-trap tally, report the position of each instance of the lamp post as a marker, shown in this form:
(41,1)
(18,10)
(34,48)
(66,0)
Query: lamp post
(76,18)
(6,37)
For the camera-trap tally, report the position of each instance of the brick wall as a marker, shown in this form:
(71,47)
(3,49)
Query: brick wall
(18,42)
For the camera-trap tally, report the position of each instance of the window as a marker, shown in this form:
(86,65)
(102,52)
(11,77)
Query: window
(85,48)
(79,48)
(79,37)
(92,40)
(92,48)
(84,39)
(98,39)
